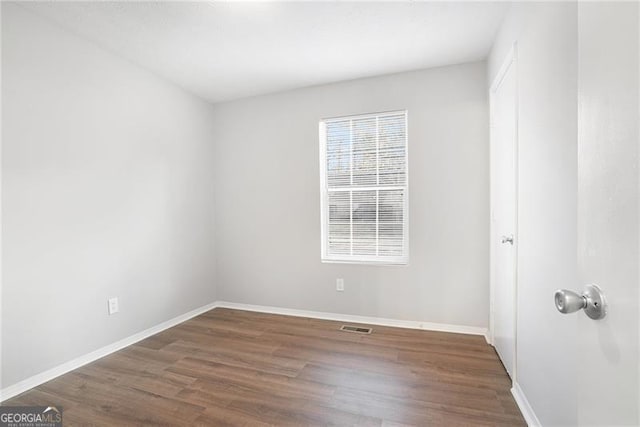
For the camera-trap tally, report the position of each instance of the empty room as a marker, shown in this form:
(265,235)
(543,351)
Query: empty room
(320,213)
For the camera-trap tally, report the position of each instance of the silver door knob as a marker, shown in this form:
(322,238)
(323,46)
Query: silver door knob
(569,301)
(508,239)
(592,301)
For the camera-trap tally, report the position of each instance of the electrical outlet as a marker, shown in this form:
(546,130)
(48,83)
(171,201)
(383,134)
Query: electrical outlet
(339,285)
(113,305)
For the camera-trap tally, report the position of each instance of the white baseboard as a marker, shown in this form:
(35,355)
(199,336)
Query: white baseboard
(409,324)
(525,407)
(43,377)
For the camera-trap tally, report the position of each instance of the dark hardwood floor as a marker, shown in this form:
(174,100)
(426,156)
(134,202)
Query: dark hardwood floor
(230,367)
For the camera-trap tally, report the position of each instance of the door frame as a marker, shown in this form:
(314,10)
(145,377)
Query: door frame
(507,64)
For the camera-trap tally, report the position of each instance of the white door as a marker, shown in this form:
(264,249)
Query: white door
(608,218)
(503,213)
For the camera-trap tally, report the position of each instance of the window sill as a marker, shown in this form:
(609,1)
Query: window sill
(400,263)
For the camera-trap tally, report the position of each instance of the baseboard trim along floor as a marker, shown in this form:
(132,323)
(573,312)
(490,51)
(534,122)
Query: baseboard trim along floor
(524,406)
(43,377)
(408,324)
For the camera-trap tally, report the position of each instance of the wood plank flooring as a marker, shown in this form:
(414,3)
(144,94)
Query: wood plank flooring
(231,367)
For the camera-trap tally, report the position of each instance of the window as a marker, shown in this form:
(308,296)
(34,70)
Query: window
(364,188)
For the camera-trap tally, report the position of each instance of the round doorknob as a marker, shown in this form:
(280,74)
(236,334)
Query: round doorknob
(592,301)
(569,301)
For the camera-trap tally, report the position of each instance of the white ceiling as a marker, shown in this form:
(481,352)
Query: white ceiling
(222,51)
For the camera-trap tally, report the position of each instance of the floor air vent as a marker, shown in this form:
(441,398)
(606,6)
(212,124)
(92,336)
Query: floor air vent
(356,329)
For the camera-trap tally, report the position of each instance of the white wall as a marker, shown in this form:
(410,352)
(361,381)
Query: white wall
(546,36)
(268,200)
(106,191)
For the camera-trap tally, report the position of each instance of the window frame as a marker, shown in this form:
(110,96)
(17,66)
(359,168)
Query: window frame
(324,197)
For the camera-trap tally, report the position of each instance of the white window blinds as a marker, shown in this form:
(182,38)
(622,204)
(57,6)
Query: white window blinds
(364,186)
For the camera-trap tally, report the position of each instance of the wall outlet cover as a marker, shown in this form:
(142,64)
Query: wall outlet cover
(113,305)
